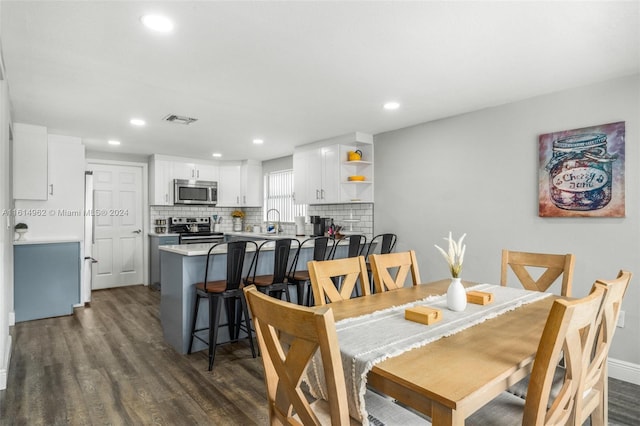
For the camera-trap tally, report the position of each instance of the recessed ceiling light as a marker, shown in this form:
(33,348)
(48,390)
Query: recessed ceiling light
(217,154)
(112,142)
(158,23)
(258,141)
(137,122)
(389,106)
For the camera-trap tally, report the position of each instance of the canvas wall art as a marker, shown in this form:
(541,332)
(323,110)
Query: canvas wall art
(581,172)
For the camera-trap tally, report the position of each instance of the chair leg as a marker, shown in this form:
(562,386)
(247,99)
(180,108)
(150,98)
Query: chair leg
(238,319)
(247,322)
(230,306)
(286,293)
(300,292)
(215,306)
(309,293)
(193,322)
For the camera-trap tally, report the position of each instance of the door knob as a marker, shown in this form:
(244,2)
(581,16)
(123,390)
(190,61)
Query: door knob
(138,231)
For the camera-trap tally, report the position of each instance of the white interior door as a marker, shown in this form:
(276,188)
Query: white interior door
(117,194)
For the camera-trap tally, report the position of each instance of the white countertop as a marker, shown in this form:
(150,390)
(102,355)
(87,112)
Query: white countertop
(164,234)
(267,236)
(47,241)
(203,249)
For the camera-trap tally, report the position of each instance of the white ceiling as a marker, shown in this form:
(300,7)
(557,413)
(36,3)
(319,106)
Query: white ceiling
(295,72)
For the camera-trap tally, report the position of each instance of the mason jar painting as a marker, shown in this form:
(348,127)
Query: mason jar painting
(582,172)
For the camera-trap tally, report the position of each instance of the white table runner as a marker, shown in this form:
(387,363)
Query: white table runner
(372,338)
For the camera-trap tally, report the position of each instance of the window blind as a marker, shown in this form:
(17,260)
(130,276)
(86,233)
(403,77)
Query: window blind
(278,194)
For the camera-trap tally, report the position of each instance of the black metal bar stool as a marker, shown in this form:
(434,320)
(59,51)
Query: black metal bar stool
(228,290)
(301,278)
(387,243)
(277,282)
(355,244)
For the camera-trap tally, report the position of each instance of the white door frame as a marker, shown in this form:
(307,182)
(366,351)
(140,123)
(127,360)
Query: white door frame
(145,207)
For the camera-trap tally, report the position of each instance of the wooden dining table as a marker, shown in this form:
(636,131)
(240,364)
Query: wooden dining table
(452,377)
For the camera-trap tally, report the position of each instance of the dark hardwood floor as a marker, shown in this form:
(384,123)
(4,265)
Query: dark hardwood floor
(108,364)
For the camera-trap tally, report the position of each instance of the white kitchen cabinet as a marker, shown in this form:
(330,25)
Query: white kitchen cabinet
(30,162)
(251,183)
(160,182)
(355,191)
(62,214)
(322,170)
(229,185)
(66,172)
(240,184)
(164,169)
(317,175)
(194,171)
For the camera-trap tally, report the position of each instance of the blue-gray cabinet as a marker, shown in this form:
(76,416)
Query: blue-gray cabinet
(46,279)
(155,241)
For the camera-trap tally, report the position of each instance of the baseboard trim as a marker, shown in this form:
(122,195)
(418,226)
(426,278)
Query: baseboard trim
(623,370)
(4,367)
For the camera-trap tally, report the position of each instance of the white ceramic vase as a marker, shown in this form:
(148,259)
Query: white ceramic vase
(21,233)
(456,295)
(237,224)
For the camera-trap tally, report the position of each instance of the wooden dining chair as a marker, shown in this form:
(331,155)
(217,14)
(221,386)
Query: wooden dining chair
(570,331)
(351,270)
(595,389)
(380,244)
(554,265)
(597,375)
(289,335)
(403,263)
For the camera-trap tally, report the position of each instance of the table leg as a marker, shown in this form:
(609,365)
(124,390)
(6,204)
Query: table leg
(441,415)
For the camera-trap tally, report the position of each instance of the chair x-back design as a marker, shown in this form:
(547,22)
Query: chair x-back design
(289,336)
(594,389)
(401,263)
(352,270)
(555,265)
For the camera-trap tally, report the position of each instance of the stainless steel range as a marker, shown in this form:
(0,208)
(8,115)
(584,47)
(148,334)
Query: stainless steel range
(194,230)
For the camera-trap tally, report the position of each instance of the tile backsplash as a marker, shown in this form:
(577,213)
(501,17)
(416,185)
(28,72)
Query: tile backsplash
(253,216)
(341,212)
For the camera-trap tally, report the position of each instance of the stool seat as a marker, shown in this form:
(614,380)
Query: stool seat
(301,276)
(262,280)
(213,287)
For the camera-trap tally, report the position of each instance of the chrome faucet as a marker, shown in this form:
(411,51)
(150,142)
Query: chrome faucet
(277,224)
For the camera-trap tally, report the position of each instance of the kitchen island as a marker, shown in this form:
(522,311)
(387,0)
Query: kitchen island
(182,266)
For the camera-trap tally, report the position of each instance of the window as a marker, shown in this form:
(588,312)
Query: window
(278,194)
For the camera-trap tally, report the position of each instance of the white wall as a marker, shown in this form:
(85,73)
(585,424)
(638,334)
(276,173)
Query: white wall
(477,173)
(6,238)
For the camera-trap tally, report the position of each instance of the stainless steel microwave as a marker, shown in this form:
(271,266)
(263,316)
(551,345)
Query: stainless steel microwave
(198,192)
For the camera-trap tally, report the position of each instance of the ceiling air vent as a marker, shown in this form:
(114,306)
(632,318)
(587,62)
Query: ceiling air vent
(179,119)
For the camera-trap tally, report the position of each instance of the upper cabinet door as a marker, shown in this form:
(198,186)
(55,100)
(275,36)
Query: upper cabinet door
(160,183)
(229,185)
(183,170)
(330,172)
(251,183)
(209,172)
(30,162)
